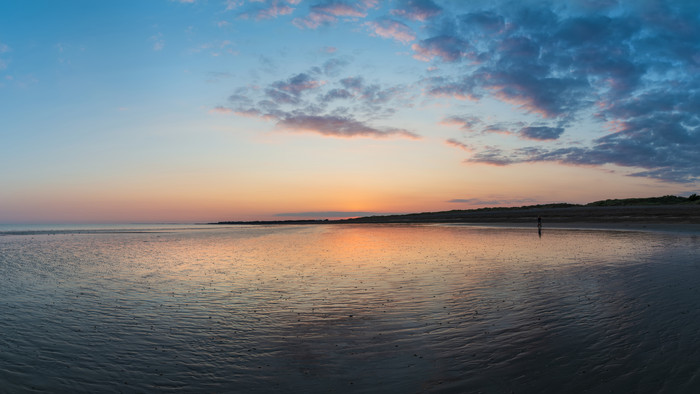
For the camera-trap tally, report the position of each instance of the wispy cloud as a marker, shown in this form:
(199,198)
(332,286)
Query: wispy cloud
(458,144)
(628,70)
(338,126)
(158,42)
(419,10)
(314,20)
(327,214)
(496,202)
(221,110)
(388,28)
(308,102)
(264,9)
(338,8)
(468,123)
(329,12)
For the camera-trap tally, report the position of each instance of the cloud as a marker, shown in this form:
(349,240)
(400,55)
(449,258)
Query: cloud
(338,94)
(625,73)
(314,20)
(305,103)
(338,126)
(466,88)
(298,84)
(633,70)
(388,28)
(333,66)
(468,123)
(493,202)
(541,133)
(418,10)
(221,110)
(329,12)
(447,48)
(233,4)
(550,97)
(483,22)
(458,144)
(338,8)
(327,214)
(157,39)
(265,9)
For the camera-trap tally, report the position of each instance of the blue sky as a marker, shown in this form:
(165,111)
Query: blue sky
(217,110)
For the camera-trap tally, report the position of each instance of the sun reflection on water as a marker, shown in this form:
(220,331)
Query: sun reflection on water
(349,308)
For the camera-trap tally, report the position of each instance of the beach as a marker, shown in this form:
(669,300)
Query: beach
(350,308)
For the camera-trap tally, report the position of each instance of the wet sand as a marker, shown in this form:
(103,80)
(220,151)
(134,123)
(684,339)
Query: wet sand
(351,308)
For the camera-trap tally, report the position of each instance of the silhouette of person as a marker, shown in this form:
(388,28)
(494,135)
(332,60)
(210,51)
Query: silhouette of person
(539,222)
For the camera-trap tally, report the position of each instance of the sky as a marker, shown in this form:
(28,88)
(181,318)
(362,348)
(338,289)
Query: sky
(213,110)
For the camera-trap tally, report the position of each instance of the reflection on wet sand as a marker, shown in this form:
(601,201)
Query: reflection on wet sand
(356,308)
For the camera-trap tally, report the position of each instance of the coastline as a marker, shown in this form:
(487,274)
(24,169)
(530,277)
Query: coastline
(673,217)
(687,228)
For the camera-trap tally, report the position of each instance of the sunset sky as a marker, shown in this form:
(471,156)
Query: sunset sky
(208,110)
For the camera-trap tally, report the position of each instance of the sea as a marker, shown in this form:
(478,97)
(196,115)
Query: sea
(347,308)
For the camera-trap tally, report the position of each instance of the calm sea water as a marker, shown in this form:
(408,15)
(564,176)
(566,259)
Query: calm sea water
(348,308)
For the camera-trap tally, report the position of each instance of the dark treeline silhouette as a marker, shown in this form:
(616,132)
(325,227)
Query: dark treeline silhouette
(665,209)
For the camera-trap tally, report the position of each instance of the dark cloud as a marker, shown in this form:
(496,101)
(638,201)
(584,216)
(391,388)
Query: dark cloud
(338,94)
(339,127)
(501,128)
(672,157)
(465,88)
(447,48)
(354,83)
(541,133)
(333,66)
(551,97)
(419,10)
(290,105)
(297,84)
(632,65)
(282,97)
(482,22)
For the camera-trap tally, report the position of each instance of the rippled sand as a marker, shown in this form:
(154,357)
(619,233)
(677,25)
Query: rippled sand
(353,308)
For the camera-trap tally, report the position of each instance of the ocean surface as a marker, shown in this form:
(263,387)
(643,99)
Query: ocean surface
(347,308)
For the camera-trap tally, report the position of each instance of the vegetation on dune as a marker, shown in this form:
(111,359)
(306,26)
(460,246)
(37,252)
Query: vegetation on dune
(493,213)
(664,200)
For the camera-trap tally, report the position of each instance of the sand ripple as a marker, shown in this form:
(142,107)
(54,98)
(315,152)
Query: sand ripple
(350,309)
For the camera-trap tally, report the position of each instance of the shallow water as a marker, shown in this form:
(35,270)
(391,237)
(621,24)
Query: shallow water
(349,308)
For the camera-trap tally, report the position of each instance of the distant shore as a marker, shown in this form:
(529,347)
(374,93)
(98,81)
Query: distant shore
(557,215)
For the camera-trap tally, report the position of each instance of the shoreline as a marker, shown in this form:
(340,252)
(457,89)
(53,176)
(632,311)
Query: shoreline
(675,217)
(689,228)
